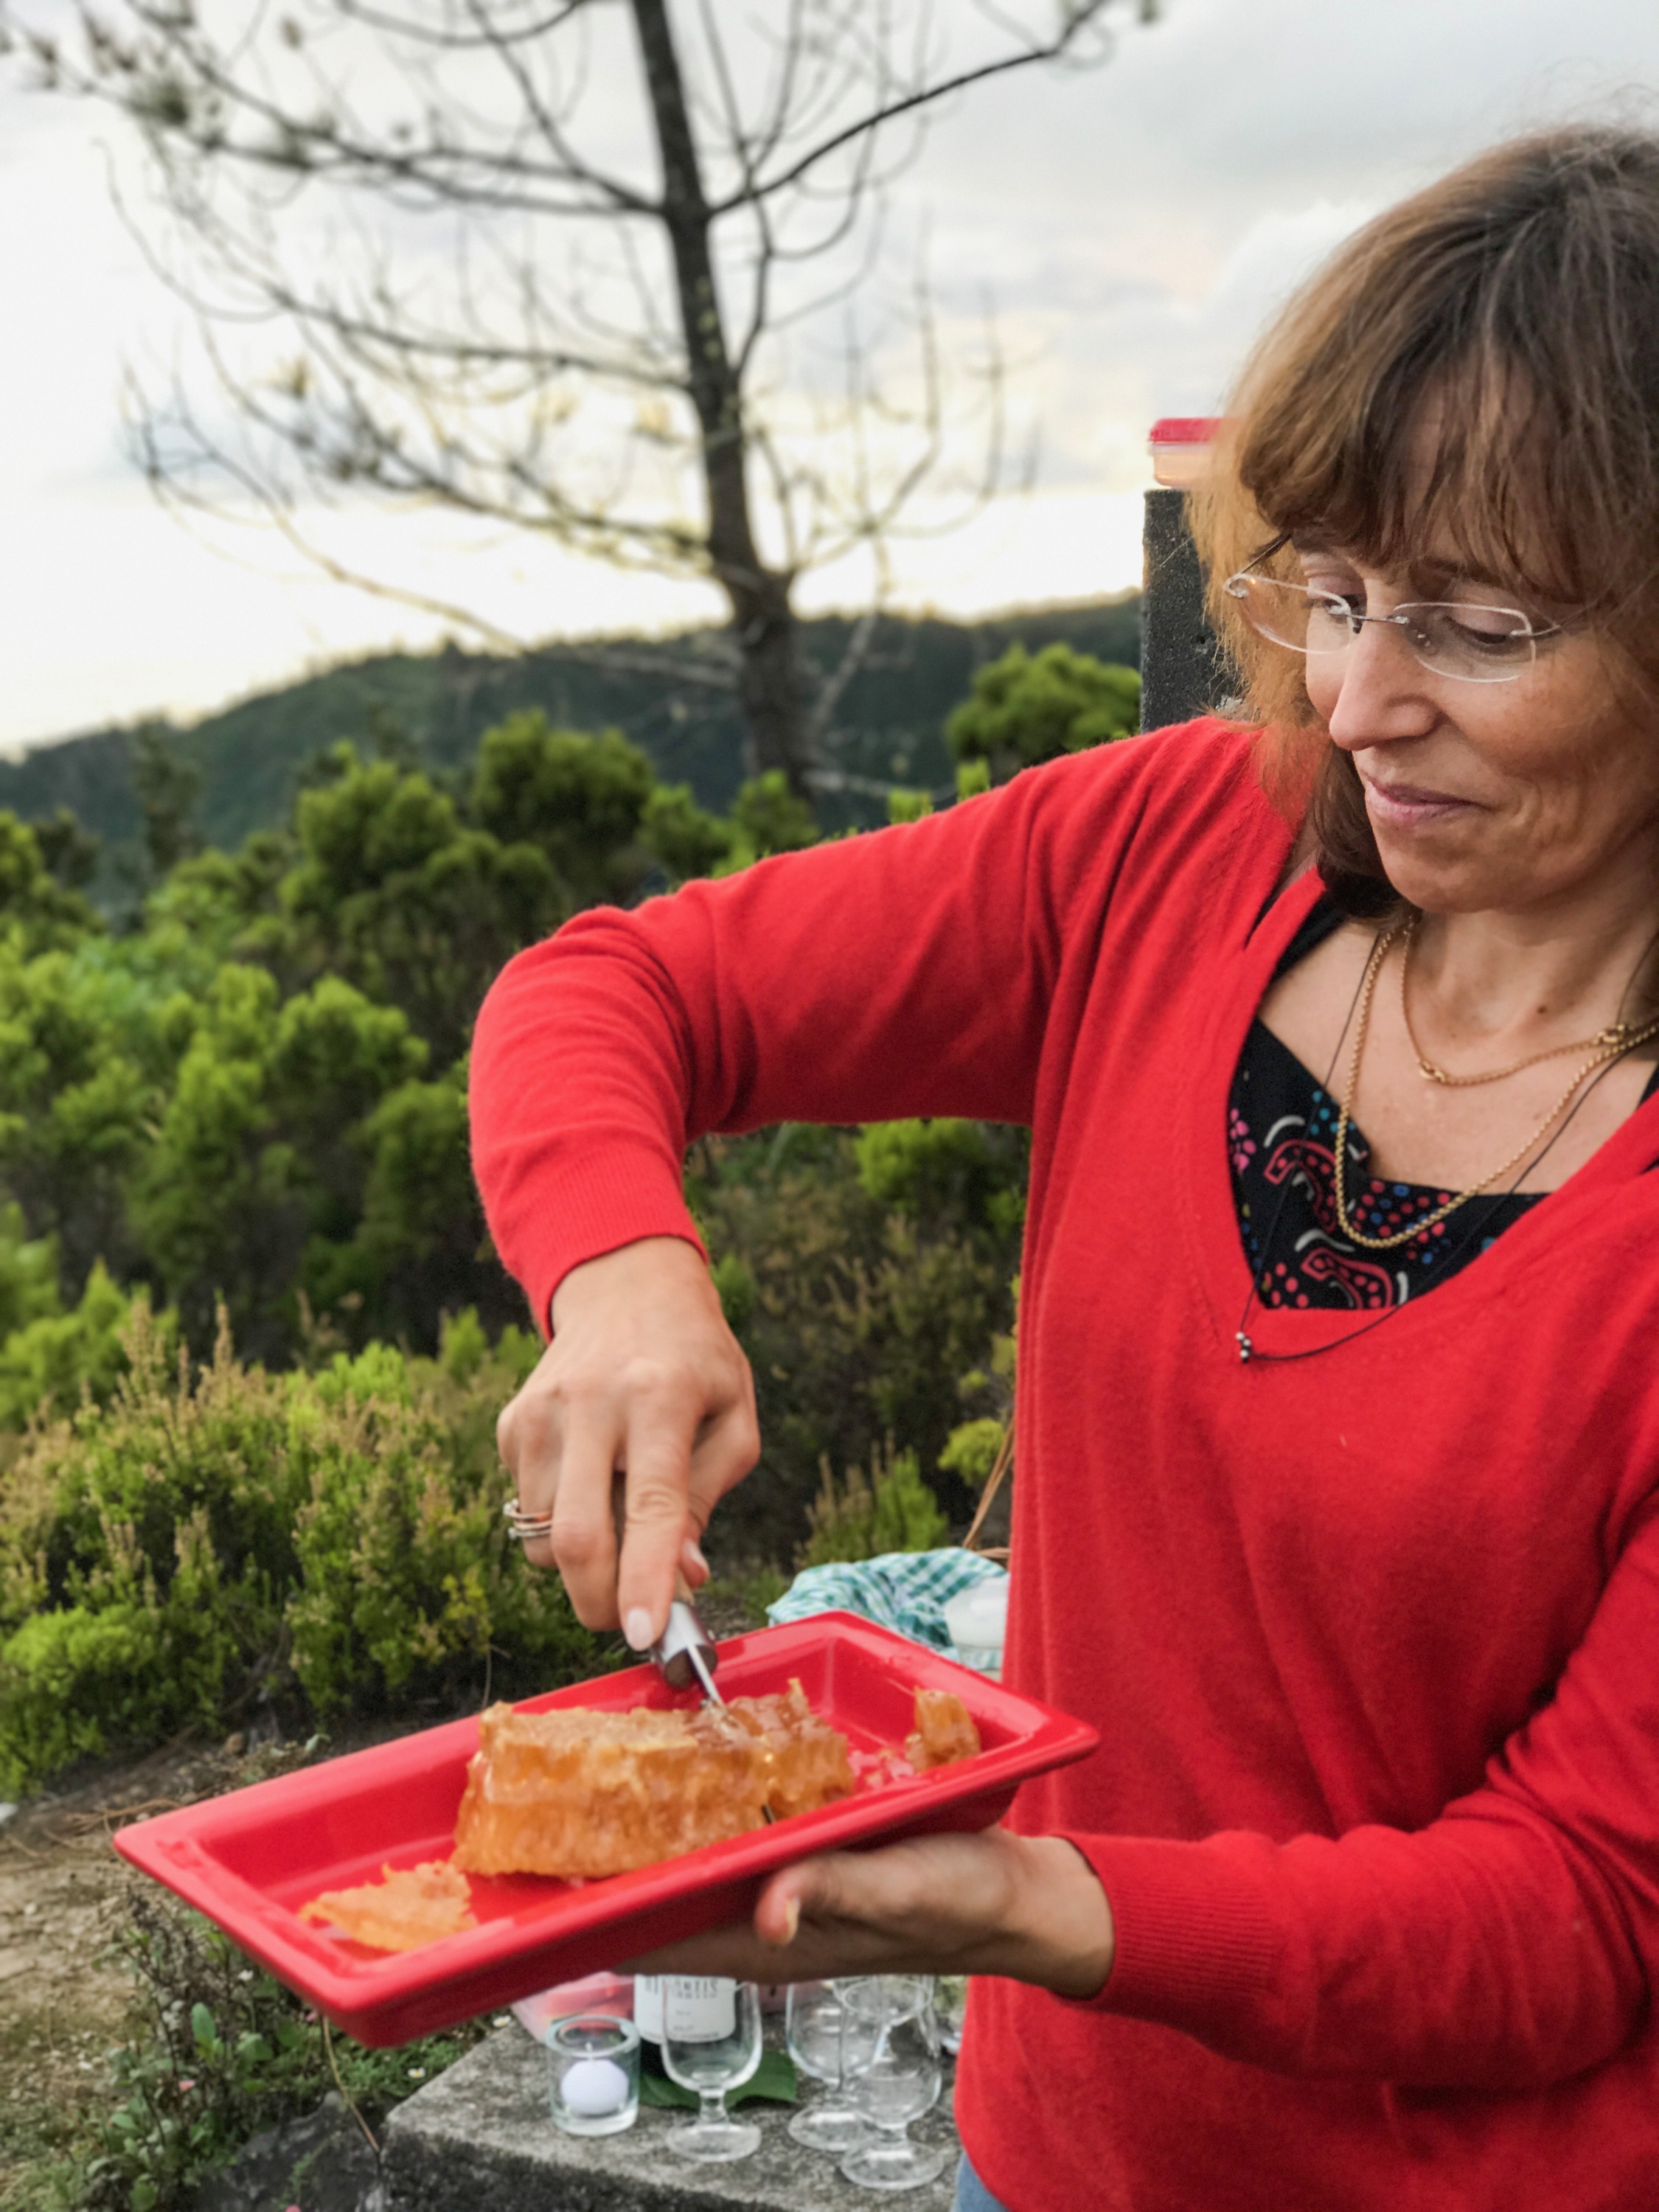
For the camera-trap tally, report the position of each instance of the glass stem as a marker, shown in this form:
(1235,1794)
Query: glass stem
(712,2113)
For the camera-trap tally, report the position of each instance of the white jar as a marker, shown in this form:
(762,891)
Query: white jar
(978,1622)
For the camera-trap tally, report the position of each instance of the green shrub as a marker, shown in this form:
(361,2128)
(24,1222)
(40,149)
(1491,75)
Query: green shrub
(767,817)
(28,1274)
(863,1519)
(581,799)
(864,1274)
(213,1540)
(46,1364)
(683,840)
(963,1172)
(908,805)
(972,1449)
(1026,709)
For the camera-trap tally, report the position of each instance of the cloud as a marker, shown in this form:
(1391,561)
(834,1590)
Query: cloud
(1134,225)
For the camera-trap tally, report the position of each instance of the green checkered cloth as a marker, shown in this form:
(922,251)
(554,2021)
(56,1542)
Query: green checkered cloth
(907,1591)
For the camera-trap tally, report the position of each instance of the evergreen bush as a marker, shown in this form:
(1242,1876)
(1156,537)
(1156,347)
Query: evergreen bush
(217,1539)
(891,1509)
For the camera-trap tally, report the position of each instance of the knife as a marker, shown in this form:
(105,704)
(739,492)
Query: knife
(684,1653)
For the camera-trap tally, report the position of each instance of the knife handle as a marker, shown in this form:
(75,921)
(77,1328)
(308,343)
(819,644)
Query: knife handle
(683,1633)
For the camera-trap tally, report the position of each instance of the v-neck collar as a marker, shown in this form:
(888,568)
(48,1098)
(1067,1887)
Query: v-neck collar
(1243,972)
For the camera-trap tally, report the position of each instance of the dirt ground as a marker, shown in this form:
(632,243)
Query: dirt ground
(63,1999)
(62,1891)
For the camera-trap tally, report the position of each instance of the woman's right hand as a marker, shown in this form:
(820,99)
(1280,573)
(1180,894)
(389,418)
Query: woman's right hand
(642,1376)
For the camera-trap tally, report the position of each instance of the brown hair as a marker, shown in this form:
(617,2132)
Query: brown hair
(1480,365)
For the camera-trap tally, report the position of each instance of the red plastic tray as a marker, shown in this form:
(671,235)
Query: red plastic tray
(249,1860)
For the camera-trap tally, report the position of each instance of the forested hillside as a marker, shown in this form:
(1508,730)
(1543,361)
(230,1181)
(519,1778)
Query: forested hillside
(253,1336)
(243,766)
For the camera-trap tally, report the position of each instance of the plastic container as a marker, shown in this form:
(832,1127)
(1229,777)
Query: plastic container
(978,1623)
(1180,447)
(606,1993)
(249,1861)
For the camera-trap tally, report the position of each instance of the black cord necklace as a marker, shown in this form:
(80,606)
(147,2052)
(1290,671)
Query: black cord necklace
(1247,1349)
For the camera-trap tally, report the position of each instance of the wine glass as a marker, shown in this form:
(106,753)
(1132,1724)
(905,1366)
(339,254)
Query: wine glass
(830,2037)
(950,2007)
(900,2082)
(711,2043)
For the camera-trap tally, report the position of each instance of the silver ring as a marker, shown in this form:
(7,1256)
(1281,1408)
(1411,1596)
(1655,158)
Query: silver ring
(528,1527)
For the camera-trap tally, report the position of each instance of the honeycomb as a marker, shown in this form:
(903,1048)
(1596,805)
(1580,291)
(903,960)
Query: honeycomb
(583,1794)
(944,1731)
(805,1763)
(403,1910)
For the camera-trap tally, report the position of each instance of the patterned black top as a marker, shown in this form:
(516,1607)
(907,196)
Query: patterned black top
(1281,1132)
(1281,1136)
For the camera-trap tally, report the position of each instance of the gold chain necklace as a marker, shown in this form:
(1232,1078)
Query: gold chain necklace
(1616,1044)
(1619,1034)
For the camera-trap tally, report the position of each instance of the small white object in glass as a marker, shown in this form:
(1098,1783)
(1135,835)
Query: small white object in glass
(594,2074)
(711,2043)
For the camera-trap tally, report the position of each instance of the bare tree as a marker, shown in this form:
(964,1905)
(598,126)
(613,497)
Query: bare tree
(568,265)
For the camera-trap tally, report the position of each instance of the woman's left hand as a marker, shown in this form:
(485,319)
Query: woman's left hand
(1026,1906)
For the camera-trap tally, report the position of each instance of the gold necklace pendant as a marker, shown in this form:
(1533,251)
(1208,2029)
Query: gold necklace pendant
(1609,1044)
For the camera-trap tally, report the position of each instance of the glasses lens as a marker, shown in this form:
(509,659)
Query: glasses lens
(1291,615)
(1476,645)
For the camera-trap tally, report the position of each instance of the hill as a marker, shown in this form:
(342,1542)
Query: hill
(434,708)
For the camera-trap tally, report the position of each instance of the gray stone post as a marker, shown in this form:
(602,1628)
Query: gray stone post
(1179,663)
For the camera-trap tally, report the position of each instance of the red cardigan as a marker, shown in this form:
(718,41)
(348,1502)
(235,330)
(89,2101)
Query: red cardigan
(1372,1638)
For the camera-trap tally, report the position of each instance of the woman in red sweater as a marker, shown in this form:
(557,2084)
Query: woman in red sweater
(1339,1415)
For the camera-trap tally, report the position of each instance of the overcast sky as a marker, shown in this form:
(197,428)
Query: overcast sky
(1135,225)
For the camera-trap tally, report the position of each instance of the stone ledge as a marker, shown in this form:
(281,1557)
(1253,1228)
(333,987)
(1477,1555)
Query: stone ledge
(480,2139)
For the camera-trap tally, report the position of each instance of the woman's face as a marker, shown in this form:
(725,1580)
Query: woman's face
(1509,796)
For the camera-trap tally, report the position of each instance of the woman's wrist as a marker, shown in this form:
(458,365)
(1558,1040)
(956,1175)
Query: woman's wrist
(1058,1933)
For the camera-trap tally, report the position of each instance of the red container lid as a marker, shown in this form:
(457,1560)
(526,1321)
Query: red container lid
(1185,430)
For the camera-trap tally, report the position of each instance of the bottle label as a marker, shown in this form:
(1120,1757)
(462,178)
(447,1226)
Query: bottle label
(698,2008)
(648,2006)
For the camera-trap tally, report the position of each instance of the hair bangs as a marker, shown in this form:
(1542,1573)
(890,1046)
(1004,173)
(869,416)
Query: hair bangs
(1473,489)
(1467,389)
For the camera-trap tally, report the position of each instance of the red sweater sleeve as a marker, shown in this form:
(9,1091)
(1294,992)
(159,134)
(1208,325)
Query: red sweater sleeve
(1508,1945)
(898,973)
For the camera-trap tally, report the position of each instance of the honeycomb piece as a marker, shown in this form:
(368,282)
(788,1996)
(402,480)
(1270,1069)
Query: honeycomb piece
(806,1762)
(944,1731)
(403,1910)
(583,1794)
(579,1793)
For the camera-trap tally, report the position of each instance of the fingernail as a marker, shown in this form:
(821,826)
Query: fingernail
(791,1923)
(636,1627)
(692,1556)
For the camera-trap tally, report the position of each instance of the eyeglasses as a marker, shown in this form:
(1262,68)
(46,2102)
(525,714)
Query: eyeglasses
(1473,644)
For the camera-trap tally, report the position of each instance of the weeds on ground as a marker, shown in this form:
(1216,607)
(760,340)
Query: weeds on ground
(219,2051)
(38,2139)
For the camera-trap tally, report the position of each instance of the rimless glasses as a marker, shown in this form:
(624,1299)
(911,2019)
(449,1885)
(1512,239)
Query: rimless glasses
(1449,637)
